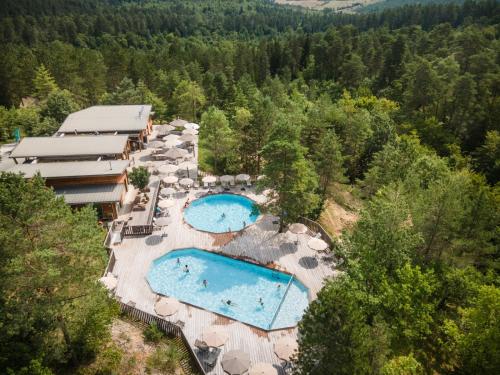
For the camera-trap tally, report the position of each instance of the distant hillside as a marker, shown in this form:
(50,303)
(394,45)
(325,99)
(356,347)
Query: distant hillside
(386,4)
(359,6)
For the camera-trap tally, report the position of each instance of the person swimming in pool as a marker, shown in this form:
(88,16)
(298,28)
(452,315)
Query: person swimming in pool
(186,268)
(205,283)
(178,261)
(223,216)
(229,303)
(261,302)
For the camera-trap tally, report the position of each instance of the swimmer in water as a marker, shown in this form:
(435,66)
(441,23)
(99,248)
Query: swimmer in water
(186,268)
(223,216)
(261,302)
(178,261)
(205,283)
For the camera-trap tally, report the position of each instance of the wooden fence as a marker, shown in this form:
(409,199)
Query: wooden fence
(316,227)
(166,326)
(137,230)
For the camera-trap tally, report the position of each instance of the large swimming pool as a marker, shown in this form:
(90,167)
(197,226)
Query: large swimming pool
(221,213)
(284,298)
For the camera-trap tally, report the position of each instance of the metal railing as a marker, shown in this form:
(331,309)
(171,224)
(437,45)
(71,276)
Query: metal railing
(316,227)
(282,300)
(138,230)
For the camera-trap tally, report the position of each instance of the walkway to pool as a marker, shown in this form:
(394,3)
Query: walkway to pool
(260,242)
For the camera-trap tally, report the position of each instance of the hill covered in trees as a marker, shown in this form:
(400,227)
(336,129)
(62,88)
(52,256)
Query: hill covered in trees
(402,104)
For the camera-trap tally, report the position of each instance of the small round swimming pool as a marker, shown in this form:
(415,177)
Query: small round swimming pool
(221,213)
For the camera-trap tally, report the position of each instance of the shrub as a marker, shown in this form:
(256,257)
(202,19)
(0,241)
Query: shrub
(153,334)
(139,177)
(166,359)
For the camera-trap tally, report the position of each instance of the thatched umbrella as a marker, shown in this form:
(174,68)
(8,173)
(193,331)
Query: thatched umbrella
(178,122)
(190,138)
(176,153)
(155,144)
(235,362)
(164,129)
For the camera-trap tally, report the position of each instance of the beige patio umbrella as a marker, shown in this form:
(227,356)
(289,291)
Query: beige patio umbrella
(186,182)
(187,165)
(176,153)
(178,122)
(317,244)
(170,179)
(187,138)
(262,368)
(235,362)
(163,221)
(285,348)
(214,336)
(166,306)
(168,168)
(167,191)
(226,179)
(191,125)
(109,281)
(242,177)
(297,228)
(166,203)
(190,131)
(209,179)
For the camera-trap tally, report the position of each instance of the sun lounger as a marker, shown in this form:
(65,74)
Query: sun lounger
(205,185)
(231,183)
(196,185)
(249,183)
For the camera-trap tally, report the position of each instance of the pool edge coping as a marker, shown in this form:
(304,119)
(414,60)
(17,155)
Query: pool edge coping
(217,313)
(259,218)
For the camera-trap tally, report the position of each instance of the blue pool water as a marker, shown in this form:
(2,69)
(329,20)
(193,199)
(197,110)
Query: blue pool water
(221,213)
(229,279)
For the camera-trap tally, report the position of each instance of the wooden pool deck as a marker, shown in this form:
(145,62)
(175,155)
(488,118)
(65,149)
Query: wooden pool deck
(260,242)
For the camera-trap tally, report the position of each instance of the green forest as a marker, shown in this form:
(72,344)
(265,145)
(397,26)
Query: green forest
(401,105)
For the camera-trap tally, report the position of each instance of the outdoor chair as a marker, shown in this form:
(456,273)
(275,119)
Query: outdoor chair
(180,323)
(196,185)
(231,183)
(205,185)
(249,183)
(211,358)
(201,345)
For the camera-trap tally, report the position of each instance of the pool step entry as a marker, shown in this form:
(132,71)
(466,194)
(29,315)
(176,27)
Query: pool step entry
(282,300)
